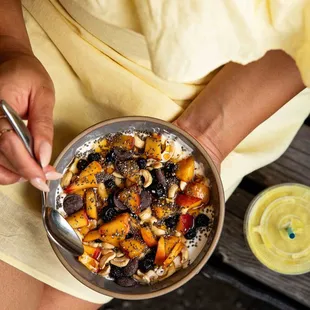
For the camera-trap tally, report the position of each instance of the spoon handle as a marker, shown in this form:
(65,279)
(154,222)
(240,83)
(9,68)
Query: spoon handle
(19,126)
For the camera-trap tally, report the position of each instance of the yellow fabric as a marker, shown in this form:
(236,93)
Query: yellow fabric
(104,71)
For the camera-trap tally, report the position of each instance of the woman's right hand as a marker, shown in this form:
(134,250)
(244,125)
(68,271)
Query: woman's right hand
(27,88)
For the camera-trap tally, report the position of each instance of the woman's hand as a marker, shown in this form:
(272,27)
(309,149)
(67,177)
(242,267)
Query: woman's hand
(27,88)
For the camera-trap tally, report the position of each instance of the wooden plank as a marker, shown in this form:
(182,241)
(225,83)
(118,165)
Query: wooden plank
(235,252)
(292,166)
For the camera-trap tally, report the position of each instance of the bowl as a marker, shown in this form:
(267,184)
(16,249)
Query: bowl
(108,287)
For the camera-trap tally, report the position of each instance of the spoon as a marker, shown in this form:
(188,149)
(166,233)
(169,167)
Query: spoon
(57,228)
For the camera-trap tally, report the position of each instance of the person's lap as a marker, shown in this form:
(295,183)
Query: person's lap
(20,291)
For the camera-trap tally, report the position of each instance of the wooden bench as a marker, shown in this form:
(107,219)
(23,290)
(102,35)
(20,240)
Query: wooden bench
(233,262)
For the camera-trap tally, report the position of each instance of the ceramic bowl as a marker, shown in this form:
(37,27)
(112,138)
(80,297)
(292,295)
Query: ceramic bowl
(108,287)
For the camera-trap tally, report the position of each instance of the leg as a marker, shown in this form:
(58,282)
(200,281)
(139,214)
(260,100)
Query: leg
(56,300)
(18,290)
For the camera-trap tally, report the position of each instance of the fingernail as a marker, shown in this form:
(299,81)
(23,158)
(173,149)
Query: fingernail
(45,153)
(53,175)
(21,180)
(40,184)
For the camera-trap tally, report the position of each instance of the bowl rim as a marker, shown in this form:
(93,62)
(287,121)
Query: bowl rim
(217,234)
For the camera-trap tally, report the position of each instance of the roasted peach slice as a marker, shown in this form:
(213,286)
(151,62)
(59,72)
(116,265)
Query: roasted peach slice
(89,262)
(82,183)
(170,242)
(186,169)
(153,147)
(173,254)
(124,142)
(198,190)
(92,235)
(130,197)
(163,210)
(78,219)
(90,250)
(84,230)
(148,236)
(133,247)
(115,231)
(185,222)
(93,168)
(187,201)
(160,253)
(91,207)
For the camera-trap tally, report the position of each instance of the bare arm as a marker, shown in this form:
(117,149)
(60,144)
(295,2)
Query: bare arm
(13,34)
(238,99)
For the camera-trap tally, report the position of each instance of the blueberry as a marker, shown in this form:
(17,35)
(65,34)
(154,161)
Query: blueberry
(116,272)
(146,264)
(93,157)
(191,234)
(170,169)
(158,190)
(141,163)
(108,213)
(111,200)
(109,183)
(129,236)
(98,240)
(172,221)
(202,221)
(82,164)
(110,157)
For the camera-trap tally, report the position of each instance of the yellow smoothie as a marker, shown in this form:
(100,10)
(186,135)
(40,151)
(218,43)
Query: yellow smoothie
(277,228)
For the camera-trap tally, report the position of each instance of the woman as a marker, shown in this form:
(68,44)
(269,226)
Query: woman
(167,59)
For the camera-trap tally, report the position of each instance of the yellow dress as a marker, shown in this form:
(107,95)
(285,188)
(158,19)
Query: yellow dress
(110,58)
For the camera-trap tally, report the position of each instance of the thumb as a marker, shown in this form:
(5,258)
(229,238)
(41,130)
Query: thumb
(40,123)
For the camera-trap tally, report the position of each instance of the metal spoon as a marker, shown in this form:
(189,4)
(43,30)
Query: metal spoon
(57,228)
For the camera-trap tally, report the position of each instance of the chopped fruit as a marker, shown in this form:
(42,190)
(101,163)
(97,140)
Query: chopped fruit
(174,253)
(83,183)
(93,157)
(78,219)
(191,234)
(96,254)
(163,210)
(92,236)
(198,190)
(147,263)
(186,169)
(133,247)
(148,236)
(89,262)
(160,253)
(129,169)
(84,230)
(109,169)
(91,207)
(202,220)
(115,231)
(187,201)
(186,222)
(124,142)
(153,147)
(81,165)
(102,145)
(130,197)
(90,250)
(80,193)
(93,168)
(170,242)
(73,167)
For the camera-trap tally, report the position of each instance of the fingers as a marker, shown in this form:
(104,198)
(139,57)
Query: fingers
(40,123)
(8,177)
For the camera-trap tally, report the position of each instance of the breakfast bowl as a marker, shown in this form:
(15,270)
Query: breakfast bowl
(177,148)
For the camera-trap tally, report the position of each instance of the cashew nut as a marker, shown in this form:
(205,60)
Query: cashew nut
(117,175)
(157,231)
(170,271)
(102,191)
(168,152)
(177,262)
(107,246)
(119,254)
(185,257)
(66,179)
(139,143)
(148,277)
(157,165)
(150,162)
(107,256)
(105,271)
(73,168)
(173,190)
(119,182)
(120,261)
(147,177)
(182,185)
(146,214)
